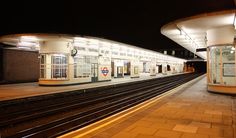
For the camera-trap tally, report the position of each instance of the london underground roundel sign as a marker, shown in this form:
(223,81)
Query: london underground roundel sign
(105,71)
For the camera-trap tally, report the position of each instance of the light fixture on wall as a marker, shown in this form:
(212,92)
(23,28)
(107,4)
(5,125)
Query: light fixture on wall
(234,21)
(73,52)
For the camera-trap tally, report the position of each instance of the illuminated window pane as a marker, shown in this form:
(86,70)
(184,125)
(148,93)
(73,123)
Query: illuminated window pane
(215,64)
(228,62)
(59,66)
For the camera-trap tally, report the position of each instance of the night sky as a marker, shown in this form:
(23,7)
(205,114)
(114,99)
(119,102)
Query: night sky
(132,22)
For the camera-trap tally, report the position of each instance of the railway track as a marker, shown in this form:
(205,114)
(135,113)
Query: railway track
(54,116)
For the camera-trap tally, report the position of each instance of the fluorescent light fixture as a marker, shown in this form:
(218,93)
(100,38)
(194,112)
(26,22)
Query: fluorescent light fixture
(79,39)
(61,55)
(23,47)
(28,38)
(235,21)
(28,44)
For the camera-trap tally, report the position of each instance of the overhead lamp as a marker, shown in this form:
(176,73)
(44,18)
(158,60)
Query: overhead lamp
(233,48)
(28,38)
(235,21)
(23,47)
(27,44)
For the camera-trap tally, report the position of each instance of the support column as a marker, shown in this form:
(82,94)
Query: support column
(218,38)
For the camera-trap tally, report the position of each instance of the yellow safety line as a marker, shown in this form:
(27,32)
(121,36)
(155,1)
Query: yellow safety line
(132,110)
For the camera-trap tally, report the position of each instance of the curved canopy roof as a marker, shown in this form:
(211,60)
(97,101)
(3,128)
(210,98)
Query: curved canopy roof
(33,42)
(190,32)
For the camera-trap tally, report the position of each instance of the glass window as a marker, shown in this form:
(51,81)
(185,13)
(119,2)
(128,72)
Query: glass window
(135,70)
(82,66)
(58,66)
(107,52)
(215,65)
(114,53)
(228,62)
(53,66)
(222,65)
(42,66)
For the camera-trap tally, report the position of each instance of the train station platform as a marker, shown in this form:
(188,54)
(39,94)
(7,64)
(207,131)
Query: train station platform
(25,90)
(188,111)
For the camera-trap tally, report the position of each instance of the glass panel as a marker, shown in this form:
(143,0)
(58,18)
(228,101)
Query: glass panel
(42,66)
(120,70)
(228,62)
(135,70)
(215,65)
(222,65)
(58,66)
(82,66)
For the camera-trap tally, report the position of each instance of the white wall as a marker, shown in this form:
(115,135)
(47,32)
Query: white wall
(134,68)
(220,35)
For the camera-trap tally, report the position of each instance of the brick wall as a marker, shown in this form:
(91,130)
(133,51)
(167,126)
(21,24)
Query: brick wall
(20,66)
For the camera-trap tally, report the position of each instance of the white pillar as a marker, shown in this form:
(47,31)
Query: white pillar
(220,35)
(56,46)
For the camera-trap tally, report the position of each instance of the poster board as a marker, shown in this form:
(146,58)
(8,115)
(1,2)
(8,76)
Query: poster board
(228,69)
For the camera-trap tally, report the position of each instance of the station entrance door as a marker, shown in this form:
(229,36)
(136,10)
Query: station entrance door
(159,68)
(94,72)
(120,71)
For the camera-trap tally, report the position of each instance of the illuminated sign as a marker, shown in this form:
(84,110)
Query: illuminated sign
(105,71)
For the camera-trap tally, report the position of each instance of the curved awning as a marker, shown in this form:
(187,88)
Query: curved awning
(35,41)
(190,32)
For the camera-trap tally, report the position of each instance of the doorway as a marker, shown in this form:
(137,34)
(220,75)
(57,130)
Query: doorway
(159,68)
(119,71)
(94,72)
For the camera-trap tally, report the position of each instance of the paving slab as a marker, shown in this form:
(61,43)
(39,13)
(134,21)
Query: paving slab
(190,112)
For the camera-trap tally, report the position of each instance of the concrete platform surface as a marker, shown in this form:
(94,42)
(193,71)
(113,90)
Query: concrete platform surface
(23,90)
(189,112)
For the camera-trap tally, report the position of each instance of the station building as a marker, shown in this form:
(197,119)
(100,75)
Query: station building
(66,59)
(214,32)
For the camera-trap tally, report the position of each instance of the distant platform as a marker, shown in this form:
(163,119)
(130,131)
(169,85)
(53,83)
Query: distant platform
(25,90)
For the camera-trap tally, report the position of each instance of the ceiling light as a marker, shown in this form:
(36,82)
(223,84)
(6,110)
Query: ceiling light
(28,44)
(235,21)
(28,38)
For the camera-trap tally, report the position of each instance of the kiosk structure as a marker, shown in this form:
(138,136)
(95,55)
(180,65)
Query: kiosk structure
(216,33)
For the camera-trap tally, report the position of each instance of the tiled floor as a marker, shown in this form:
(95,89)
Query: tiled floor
(190,113)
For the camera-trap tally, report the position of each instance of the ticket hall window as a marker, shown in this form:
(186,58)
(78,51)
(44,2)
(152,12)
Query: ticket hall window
(42,66)
(59,66)
(82,66)
(228,65)
(53,66)
(215,65)
(222,65)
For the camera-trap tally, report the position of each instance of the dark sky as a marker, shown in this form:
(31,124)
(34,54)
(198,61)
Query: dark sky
(132,22)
